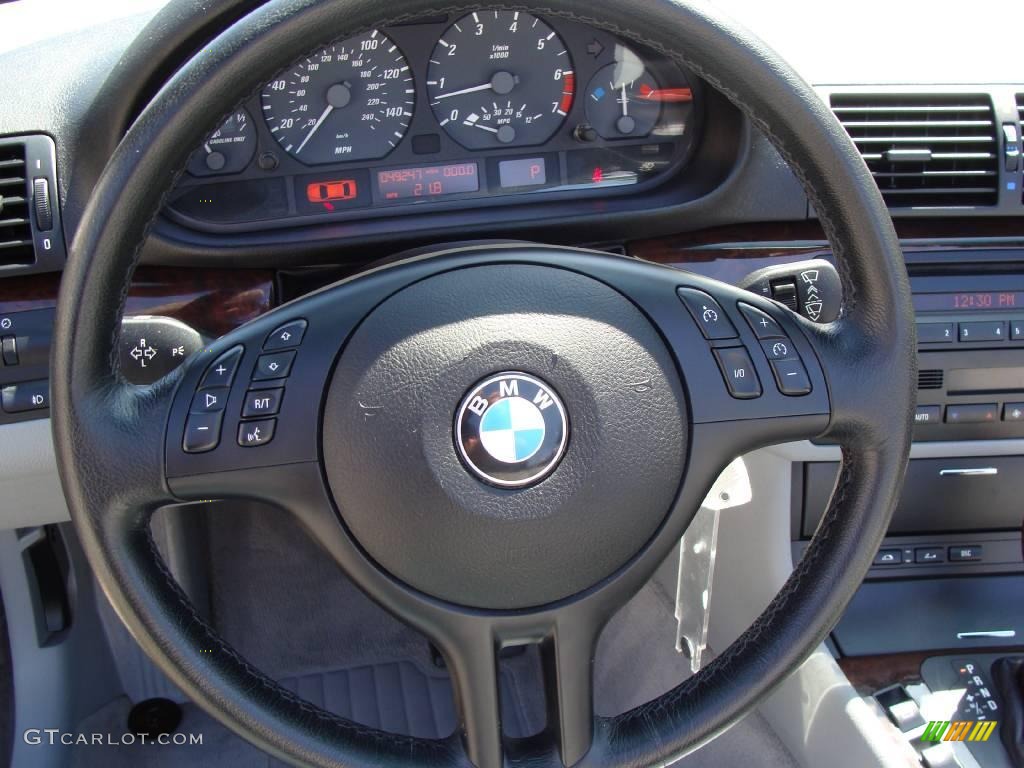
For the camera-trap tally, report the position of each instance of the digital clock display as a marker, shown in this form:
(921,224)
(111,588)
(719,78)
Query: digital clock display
(968,301)
(427,181)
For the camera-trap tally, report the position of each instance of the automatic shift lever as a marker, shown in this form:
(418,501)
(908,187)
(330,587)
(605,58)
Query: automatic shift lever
(1008,675)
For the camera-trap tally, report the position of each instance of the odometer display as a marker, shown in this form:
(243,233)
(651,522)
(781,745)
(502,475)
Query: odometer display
(427,181)
(500,78)
(352,100)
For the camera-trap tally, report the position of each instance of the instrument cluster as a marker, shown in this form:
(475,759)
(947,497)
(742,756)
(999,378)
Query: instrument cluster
(489,107)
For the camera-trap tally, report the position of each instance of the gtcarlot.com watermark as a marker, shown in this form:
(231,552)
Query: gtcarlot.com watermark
(55,736)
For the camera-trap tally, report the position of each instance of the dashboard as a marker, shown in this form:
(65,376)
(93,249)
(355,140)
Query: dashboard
(490,108)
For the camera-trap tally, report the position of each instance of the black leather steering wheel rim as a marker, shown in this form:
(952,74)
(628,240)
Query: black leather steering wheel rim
(109,435)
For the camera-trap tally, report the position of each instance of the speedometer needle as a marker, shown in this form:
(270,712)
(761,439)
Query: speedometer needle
(316,125)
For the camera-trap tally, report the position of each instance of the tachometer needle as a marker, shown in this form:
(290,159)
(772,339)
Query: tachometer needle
(474,89)
(316,125)
(501,83)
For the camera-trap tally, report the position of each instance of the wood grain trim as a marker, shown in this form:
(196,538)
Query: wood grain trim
(872,673)
(781,241)
(213,301)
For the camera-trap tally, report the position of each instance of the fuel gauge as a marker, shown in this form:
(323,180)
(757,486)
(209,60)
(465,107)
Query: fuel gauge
(229,149)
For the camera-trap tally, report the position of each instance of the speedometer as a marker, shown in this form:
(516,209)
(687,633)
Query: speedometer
(349,101)
(500,78)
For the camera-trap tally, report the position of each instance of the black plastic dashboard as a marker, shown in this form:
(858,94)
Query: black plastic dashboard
(490,108)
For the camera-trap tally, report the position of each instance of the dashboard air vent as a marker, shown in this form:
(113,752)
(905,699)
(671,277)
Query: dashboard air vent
(929,379)
(15,227)
(1020,117)
(925,150)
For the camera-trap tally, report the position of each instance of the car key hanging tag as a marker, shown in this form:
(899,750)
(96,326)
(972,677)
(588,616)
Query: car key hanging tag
(697,552)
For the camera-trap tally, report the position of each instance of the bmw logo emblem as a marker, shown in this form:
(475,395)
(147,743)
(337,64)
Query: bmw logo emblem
(511,430)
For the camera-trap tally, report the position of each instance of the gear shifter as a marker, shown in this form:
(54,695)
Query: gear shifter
(1008,675)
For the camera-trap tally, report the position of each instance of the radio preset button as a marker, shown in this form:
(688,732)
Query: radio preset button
(987,330)
(1017,330)
(936,333)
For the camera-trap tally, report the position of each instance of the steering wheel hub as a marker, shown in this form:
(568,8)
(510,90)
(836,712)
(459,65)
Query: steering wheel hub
(511,430)
(423,391)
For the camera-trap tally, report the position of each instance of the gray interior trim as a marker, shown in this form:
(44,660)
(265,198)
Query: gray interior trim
(53,688)
(816,713)
(805,450)
(30,490)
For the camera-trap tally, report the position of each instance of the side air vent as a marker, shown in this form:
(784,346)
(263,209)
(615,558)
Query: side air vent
(1020,118)
(929,379)
(15,228)
(925,150)
(31,238)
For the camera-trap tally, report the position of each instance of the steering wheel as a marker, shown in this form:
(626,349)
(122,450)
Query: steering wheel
(498,443)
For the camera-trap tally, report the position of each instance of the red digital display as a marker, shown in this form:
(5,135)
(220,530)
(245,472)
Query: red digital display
(427,181)
(327,193)
(968,301)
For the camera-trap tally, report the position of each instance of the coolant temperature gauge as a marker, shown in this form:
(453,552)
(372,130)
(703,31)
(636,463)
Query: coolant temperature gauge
(227,150)
(625,101)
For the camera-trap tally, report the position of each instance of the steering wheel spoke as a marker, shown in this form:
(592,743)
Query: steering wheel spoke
(568,662)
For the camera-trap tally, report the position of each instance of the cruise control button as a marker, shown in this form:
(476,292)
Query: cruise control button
(761,323)
(210,400)
(288,335)
(253,433)
(791,377)
(26,396)
(202,432)
(275,366)
(779,349)
(738,372)
(221,371)
(262,402)
(710,316)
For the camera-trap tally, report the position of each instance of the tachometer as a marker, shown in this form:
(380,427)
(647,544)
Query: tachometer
(500,78)
(349,101)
